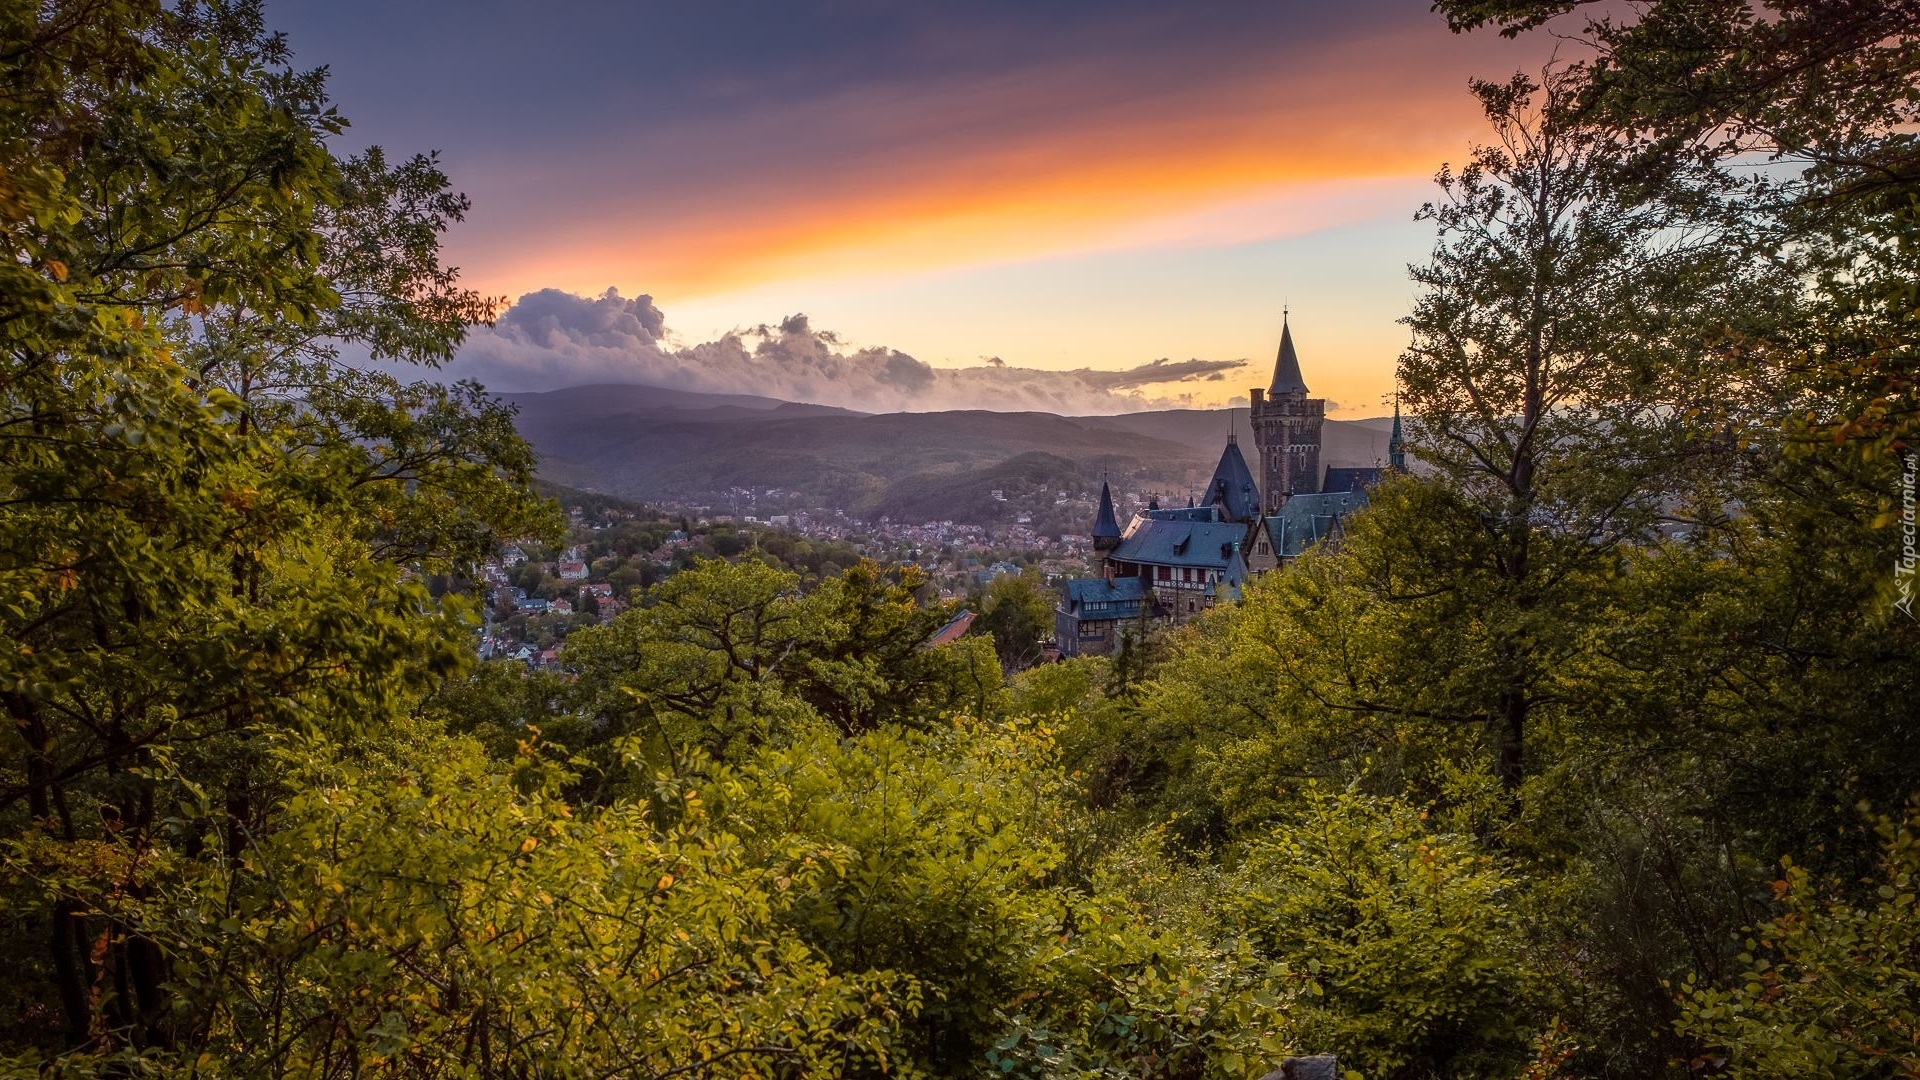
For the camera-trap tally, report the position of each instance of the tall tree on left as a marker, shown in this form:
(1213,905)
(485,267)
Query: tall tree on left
(211,528)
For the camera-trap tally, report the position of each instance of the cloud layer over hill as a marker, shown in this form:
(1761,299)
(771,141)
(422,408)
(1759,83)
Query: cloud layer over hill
(550,339)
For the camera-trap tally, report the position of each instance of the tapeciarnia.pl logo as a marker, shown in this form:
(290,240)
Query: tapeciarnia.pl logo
(1904,567)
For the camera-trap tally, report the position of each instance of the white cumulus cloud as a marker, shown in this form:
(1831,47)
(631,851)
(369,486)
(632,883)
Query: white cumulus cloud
(551,339)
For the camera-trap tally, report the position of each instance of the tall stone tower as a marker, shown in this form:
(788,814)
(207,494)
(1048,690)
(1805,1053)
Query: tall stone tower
(1286,428)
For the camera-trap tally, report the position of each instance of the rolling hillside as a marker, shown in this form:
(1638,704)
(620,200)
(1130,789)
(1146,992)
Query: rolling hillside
(649,443)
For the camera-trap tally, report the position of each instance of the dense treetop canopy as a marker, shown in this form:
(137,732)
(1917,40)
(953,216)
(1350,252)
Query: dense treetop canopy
(1590,750)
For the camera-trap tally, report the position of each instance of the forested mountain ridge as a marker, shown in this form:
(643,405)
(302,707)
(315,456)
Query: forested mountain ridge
(652,443)
(1515,781)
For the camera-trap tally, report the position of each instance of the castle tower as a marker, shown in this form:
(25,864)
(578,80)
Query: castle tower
(1286,428)
(1396,443)
(1106,529)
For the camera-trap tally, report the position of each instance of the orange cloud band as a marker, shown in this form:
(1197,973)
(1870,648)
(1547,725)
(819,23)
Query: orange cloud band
(1044,163)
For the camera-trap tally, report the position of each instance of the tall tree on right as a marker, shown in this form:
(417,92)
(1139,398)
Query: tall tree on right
(1771,662)
(1828,93)
(1562,326)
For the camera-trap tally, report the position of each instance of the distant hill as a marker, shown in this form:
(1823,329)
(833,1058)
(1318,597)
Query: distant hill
(601,400)
(652,443)
(968,496)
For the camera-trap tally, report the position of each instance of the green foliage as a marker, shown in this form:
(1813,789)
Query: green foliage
(1713,703)
(212,531)
(1061,689)
(1557,366)
(1018,611)
(412,913)
(1831,985)
(697,663)
(868,664)
(526,717)
(1406,941)
(1094,732)
(953,846)
(1825,92)
(724,657)
(1142,984)
(946,839)
(1623,641)
(1311,676)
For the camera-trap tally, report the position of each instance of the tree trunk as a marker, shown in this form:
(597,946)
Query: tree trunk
(66,944)
(1510,739)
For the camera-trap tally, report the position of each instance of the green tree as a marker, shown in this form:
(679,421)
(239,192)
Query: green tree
(211,530)
(867,663)
(1144,982)
(952,841)
(1408,941)
(1558,345)
(418,910)
(723,657)
(1017,610)
(1755,680)
(1826,93)
(1831,985)
(697,664)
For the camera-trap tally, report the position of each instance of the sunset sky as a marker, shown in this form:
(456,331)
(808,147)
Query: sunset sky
(1062,186)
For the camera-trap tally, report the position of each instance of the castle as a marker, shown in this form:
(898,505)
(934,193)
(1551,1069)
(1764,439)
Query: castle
(1171,564)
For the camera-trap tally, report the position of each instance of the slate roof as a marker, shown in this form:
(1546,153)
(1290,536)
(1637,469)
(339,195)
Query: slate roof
(1232,486)
(1105,525)
(1126,597)
(1351,479)
(1304,520)
(1160,542)
(1185,513)
(1232,578)
(1286,366)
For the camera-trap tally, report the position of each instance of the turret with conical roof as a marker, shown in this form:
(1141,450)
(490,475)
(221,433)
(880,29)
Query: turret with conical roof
(1286,366)
(1286,428)
(1397,442)
(1232,489)
(1106,527)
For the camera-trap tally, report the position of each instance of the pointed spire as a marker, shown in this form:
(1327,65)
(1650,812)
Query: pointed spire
(1105,525)
(1236,573)
(1286,366)
(1232,486)
(1397,442)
